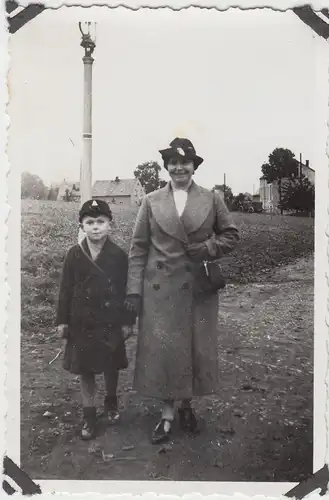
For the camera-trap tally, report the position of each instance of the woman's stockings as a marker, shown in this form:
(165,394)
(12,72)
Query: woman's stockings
(168,412)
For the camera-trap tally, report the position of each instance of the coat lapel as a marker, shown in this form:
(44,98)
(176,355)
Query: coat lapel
(197,208)
(198,205)
(166,215)
(102,258)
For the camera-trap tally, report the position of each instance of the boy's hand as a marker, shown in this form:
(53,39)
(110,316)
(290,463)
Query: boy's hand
(132,303)
(128,331)
(63,331)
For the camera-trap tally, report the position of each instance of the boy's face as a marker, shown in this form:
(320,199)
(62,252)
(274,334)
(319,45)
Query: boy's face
(96,228)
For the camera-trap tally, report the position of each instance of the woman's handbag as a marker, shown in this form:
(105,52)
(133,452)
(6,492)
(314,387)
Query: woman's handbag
(211,276)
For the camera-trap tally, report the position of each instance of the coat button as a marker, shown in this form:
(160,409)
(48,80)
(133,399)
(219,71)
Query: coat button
(159,265)
(156,286)
(185,286)
(107,304)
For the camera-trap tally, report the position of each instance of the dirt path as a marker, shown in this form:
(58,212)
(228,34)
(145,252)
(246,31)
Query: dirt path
(259,427)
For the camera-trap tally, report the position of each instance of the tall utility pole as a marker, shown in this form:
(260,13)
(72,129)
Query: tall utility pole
(87,30)
(224,186)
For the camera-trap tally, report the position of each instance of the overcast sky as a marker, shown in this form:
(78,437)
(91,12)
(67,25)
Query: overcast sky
(237,83)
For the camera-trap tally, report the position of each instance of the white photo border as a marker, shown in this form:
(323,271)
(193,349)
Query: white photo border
(10,293)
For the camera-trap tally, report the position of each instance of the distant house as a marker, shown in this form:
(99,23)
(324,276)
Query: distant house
(269,193)
(69,191)
(127,192)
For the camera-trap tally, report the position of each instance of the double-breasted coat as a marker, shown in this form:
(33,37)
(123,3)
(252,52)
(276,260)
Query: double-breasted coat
(177,345)
(91,303)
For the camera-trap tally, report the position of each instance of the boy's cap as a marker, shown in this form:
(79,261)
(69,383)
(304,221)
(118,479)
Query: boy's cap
(95,208)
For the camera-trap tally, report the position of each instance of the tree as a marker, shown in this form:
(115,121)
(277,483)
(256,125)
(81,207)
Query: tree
(237,201)
(298,195)
(33,187)
(148,175)
(227,192)
(239,198)
(281,164)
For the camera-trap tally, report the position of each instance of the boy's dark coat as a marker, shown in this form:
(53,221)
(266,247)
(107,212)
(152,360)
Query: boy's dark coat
(91,303)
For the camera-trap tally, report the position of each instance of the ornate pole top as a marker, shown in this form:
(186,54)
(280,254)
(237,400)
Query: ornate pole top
(88,32)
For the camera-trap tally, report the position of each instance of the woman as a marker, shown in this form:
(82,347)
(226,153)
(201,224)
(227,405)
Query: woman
(177,228)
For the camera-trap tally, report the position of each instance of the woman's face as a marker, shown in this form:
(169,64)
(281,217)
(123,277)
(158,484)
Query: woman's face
(180,171)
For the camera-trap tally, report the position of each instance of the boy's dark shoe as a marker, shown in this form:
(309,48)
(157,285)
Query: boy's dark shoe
(188,421)
(162,432)
(88,430)
(111,411)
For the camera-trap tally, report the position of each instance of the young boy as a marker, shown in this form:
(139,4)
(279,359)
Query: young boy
(92,317)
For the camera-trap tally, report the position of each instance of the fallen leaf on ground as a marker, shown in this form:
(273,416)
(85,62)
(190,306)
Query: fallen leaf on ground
(107,456)
(48,414)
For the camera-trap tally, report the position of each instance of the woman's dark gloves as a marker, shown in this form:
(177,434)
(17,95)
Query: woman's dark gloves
(202,251)
(133,303)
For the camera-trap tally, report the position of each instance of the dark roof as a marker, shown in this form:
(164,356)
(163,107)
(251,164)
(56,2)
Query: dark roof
(121,187)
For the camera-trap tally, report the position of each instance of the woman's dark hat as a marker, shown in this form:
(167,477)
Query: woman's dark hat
(95,208)
(181,148)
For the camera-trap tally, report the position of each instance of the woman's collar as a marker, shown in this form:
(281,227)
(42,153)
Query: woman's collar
(186,189)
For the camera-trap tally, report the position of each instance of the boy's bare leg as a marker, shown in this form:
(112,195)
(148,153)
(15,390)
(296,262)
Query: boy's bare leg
(168,410)
(162,430)
(111,376)
(88,389)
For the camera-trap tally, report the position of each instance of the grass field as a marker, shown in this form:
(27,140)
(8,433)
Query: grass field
(50,228)
(260,299)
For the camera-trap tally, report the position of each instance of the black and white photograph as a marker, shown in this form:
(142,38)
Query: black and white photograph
(168,179)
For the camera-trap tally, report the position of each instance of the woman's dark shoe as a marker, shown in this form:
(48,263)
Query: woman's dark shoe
(188,421)
(111,411)
(162,432)
(88,430)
